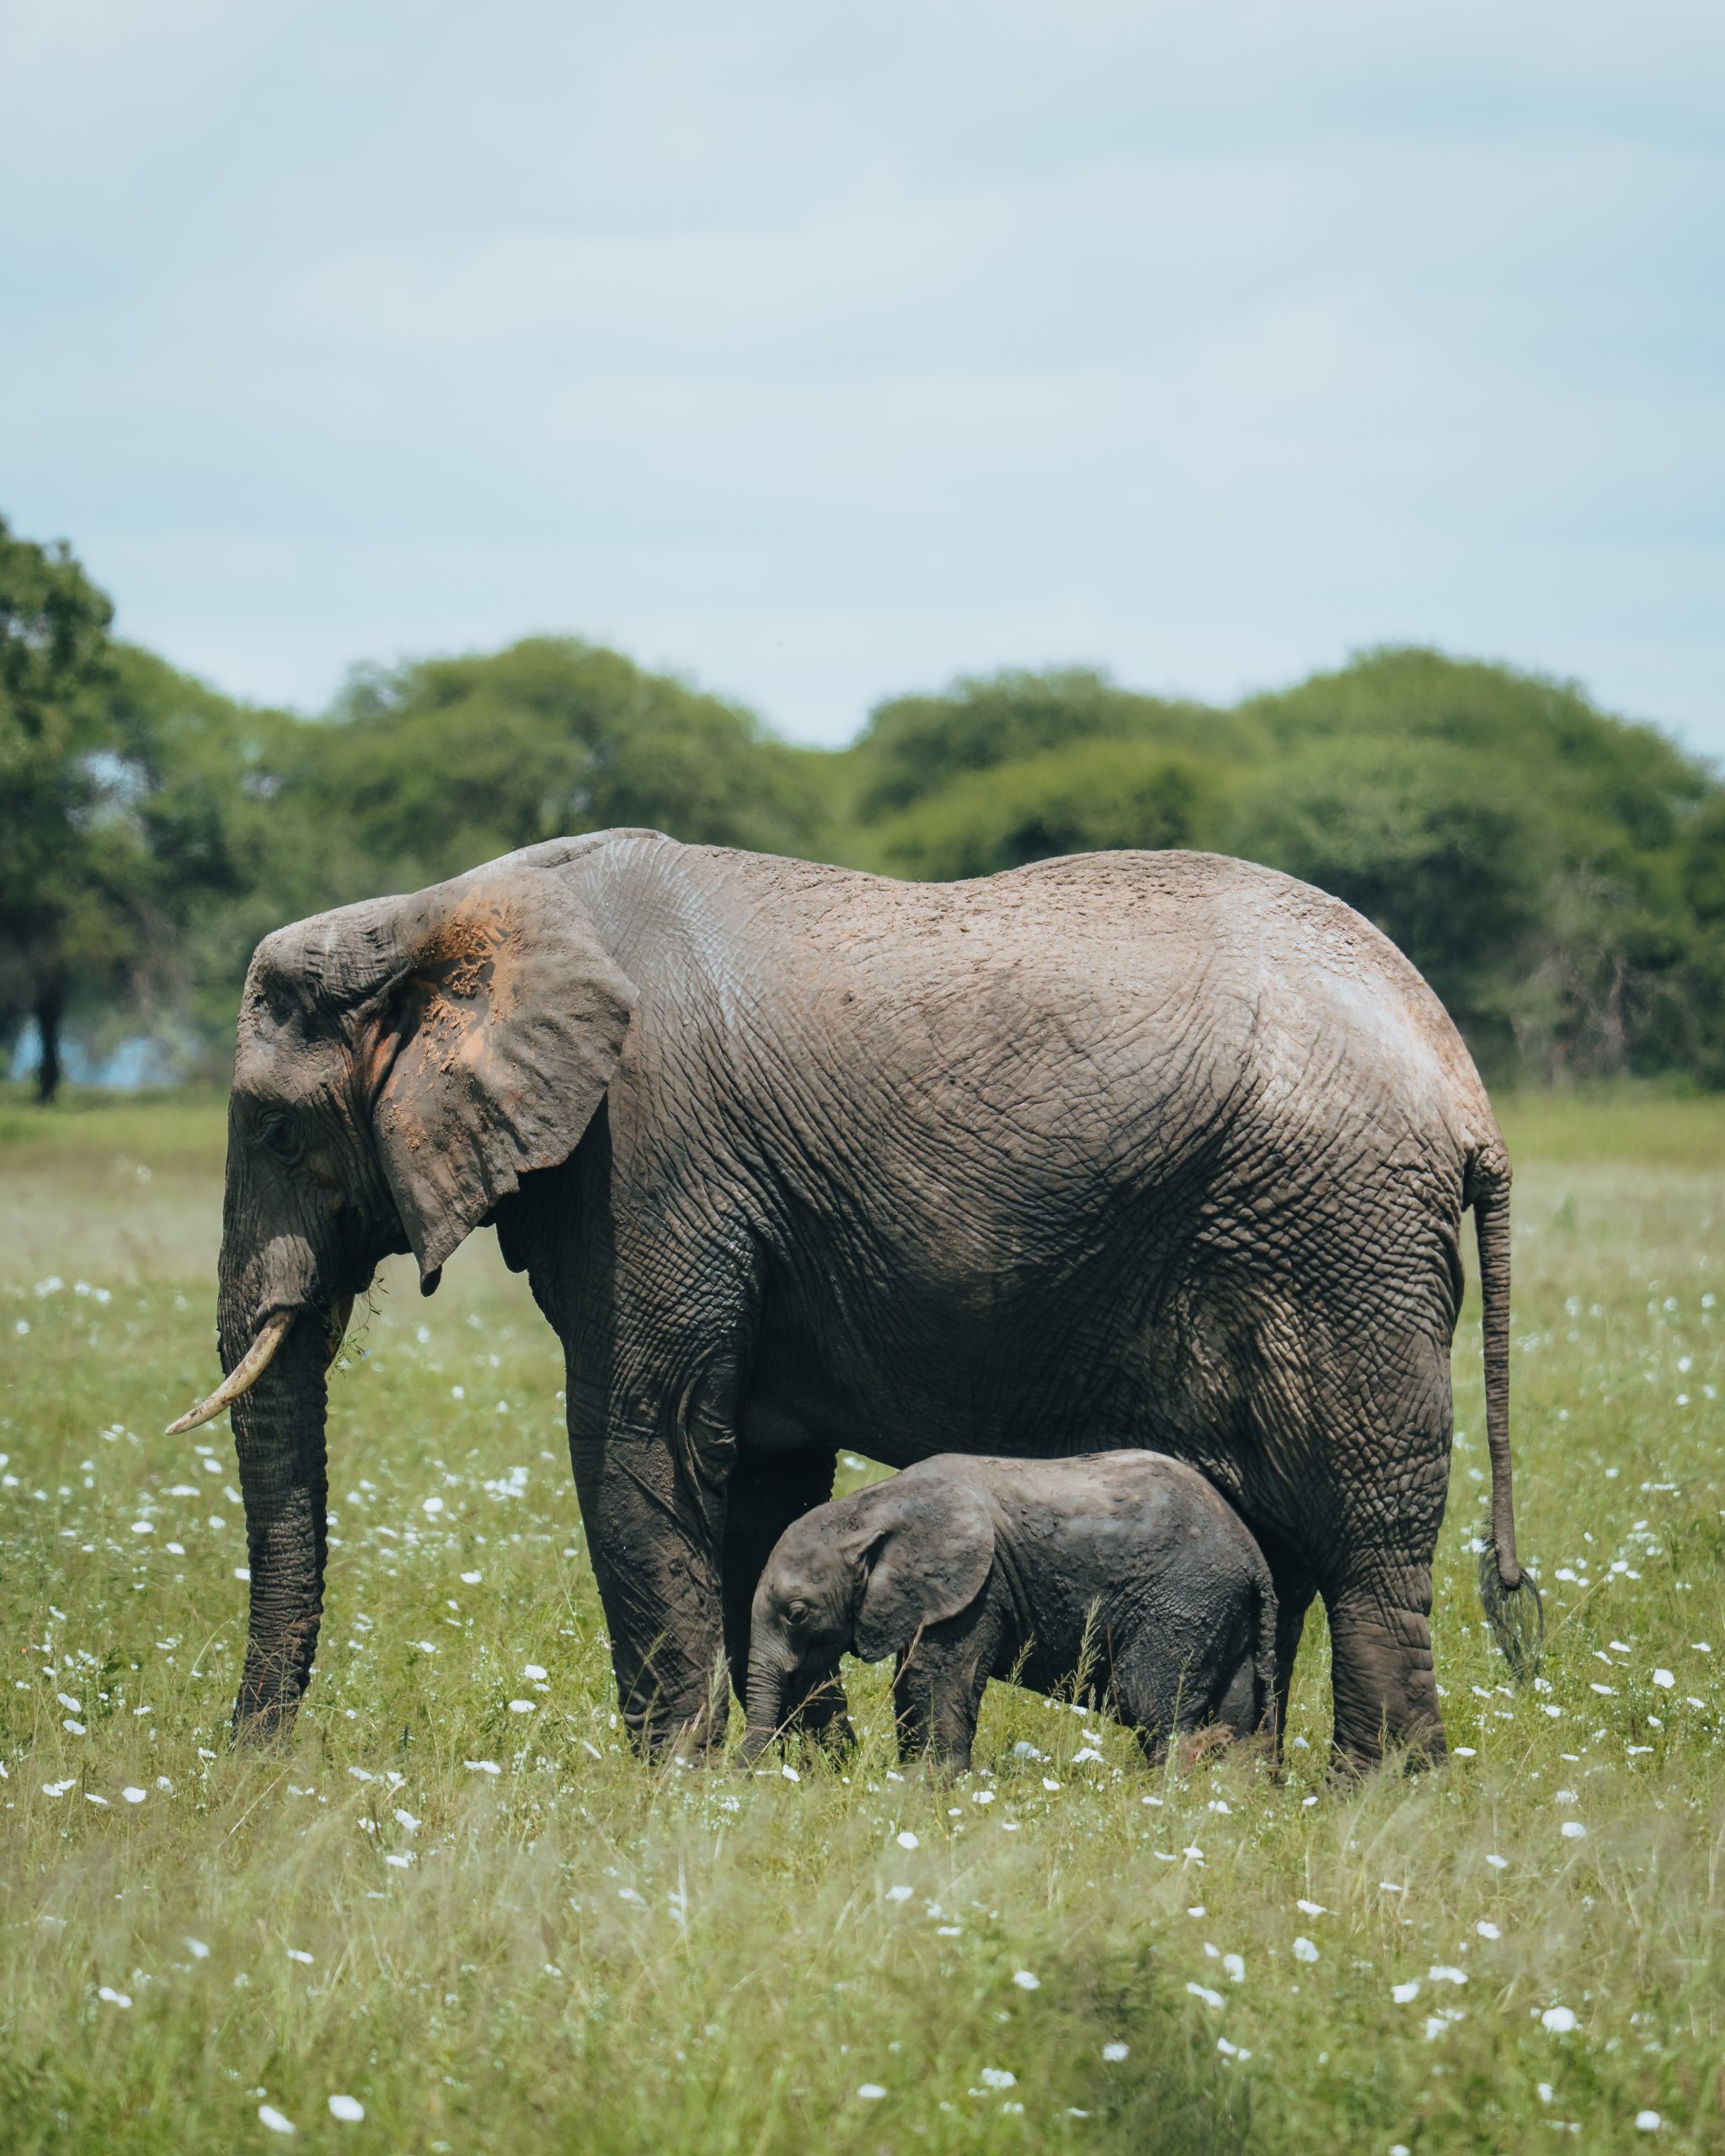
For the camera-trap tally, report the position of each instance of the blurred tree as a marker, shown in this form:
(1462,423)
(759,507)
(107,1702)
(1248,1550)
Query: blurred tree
(449,761)
(68,859)
(1100,793)
(914,746)
(1521,846)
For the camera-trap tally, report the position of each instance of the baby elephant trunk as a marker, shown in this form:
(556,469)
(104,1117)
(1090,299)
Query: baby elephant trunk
(765,1702)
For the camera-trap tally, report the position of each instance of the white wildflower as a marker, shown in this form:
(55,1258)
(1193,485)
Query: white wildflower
(871,2092)
(1113,2053)
(1558,2020)
(1025,1980)
(1304,1950)
(269,2116)
(348,2108)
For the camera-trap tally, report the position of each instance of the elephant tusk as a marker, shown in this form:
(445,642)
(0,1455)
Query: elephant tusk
(242,1376)
(338,1328)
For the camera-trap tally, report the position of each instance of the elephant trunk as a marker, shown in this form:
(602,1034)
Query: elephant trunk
(764,1710)
(278,1431)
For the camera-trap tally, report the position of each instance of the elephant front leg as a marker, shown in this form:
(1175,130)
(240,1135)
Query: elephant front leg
(937,1689)
(766,1493)
(654,1533)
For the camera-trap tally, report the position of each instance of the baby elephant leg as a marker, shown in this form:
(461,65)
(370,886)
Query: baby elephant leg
(1240,1711)
(937,1697)
(1161,1697)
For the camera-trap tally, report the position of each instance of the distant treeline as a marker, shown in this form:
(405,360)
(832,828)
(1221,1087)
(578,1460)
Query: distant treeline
(1558,874)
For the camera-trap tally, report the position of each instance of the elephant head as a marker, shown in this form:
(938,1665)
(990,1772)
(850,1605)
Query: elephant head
(400,1065)
(867,1575)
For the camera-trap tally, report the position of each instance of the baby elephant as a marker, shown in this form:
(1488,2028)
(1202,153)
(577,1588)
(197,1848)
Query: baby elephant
(969,1568)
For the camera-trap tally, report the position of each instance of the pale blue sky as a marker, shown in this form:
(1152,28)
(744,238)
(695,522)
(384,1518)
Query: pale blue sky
(821,352)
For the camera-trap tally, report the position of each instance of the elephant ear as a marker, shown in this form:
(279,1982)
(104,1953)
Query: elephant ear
(931,1561)
(493,1048)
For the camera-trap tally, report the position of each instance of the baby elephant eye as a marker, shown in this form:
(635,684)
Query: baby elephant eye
(797,1612)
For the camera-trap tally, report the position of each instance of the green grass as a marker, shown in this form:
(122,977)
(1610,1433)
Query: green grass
(579,1951)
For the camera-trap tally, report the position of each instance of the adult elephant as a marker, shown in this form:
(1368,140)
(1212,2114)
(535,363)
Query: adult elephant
(1133,1149)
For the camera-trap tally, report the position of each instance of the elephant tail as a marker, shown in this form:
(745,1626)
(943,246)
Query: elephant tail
(1510,1599)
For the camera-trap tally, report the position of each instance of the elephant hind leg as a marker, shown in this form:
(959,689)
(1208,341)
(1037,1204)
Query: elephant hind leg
(1386,1691)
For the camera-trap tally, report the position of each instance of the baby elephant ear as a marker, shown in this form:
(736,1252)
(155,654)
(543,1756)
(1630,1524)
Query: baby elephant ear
(930,1562)
(495,1050)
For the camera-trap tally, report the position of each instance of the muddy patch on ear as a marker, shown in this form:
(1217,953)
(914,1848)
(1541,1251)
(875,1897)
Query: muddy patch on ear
(469,981)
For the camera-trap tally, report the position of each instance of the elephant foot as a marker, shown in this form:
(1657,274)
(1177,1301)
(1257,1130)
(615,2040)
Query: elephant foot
(1414,1753)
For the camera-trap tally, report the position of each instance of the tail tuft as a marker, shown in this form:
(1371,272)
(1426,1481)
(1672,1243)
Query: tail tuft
(1516,1615)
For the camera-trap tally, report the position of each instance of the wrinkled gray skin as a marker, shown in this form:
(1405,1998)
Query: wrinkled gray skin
(1123,1568)
(1156,1150)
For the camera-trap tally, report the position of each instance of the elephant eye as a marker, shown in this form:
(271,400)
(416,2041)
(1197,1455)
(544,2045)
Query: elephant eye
(797,1612)
(277,1135)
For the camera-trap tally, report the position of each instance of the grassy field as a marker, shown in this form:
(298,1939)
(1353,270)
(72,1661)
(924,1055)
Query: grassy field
(457,1903)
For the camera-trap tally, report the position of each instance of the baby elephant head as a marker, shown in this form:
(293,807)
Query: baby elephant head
(864,1576)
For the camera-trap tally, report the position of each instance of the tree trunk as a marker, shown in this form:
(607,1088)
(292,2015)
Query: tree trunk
(50,1009)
